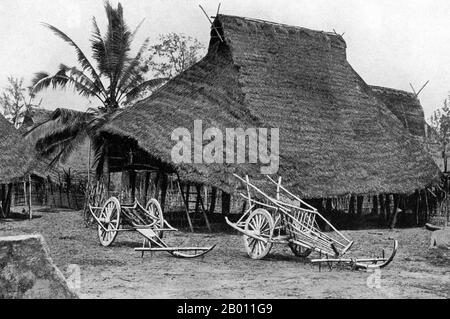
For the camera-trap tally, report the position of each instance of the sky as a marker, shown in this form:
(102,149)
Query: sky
(389,43)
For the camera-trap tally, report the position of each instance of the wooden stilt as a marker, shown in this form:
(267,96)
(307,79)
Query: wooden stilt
(7,204)
(146,186)
(25,198)
(351,206)
(387,210)
(359,205)
(157,182)
(30,212)
(375,207)
(417,207)
(186,204)
(60,191)
(164,184)
(426,206)
(394,214)
(203,208)
(132,183)
(212,206)
(68,185)
(2,200)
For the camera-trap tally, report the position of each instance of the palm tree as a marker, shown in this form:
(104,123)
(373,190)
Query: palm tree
(116,80)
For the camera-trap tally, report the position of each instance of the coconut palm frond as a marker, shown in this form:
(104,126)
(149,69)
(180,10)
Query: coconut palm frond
(82,59)
(55,140)
(43,80)
(99,50)
(132,75)
(118,43)
(82,78)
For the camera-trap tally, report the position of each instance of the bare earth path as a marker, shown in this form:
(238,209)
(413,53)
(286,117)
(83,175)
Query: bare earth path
(227,272)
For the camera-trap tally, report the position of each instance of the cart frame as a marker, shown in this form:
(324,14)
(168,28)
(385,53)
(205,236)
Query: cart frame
(148,221)
(287,219)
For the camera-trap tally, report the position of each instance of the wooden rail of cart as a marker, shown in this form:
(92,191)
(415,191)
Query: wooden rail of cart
(287,219)
(114,217)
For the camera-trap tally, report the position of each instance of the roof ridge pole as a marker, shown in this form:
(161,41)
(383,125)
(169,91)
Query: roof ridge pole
(218,9)
(421,89)
(212,25)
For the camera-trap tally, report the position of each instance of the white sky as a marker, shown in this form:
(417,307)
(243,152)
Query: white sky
(390,43)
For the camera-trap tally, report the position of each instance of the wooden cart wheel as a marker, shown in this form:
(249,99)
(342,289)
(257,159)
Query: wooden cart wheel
(299,250)
(260,223)
(109,219)
(155,211)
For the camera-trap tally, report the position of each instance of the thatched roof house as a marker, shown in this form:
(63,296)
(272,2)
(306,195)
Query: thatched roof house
(15,153)
(336,137)
(405,106)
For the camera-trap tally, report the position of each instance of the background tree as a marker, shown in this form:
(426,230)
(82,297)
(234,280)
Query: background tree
(118,77)
(440,122)
(173,54)
(16,100)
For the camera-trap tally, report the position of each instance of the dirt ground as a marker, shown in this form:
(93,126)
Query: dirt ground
(227,272)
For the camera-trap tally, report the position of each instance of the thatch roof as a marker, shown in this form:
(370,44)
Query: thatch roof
(18,158)
(336,137)
(406,106)
(15,153)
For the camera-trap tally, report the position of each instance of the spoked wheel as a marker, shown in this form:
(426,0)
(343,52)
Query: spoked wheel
(110,220)
(155,211)
(260,224)
(299,250)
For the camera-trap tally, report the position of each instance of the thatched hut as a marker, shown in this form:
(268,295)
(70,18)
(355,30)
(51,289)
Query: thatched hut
(336,137)
(17,161)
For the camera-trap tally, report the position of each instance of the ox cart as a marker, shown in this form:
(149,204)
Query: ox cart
(287,219)
(113,218)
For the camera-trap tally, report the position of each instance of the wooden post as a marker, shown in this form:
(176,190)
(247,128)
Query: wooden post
(203,207)
(426,204)
(29,203)
(375,206)
(359,204)
(146,186)
(351,206)
(186,204)
(212,206)
(387,210)
(394,214)
(60,192)
(132,183)
(157,185)
(382,203)
(68,185)
(2,200)
(25,194)
(328,210)
(417,206)
(164,184)
(7,203)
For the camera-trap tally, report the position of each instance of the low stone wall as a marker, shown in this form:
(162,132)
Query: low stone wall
(27,271)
